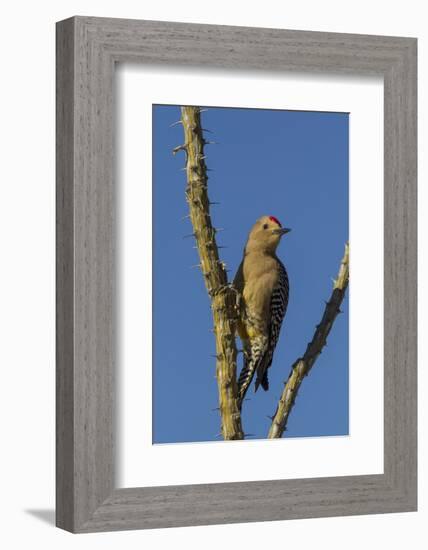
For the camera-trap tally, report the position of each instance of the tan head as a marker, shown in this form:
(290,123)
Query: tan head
(265,235)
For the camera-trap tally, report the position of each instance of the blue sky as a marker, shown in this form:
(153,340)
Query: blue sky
(290,164)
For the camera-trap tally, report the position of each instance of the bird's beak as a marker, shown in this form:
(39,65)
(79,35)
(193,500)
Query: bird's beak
(282,231)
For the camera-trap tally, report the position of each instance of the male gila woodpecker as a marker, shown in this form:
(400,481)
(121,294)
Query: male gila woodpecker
(262,282)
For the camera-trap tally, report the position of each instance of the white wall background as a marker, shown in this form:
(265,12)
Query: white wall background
(27,272)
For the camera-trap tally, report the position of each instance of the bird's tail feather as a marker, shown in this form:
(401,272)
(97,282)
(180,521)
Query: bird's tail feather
(262,372)
(263,382)
(245,377)
(255,359)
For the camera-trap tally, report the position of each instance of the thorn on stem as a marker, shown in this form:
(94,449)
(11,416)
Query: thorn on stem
(179,148)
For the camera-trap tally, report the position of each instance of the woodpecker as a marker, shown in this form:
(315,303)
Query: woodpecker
(262,283)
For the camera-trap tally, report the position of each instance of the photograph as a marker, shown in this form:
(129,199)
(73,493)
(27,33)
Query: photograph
(250,273)
(235,272)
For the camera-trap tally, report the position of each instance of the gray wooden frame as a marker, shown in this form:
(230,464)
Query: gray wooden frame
(87,50)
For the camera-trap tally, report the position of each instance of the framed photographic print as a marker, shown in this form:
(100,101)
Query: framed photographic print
(236,274)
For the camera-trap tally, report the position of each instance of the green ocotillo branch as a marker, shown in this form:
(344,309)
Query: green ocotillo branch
(223,297)
(303,365)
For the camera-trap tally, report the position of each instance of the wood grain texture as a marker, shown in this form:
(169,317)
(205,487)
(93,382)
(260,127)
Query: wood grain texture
(87,49)
(64,277)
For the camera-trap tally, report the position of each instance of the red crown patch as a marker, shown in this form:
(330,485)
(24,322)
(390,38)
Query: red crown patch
(273,219)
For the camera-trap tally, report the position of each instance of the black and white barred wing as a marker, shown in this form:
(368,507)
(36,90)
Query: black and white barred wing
(278,308)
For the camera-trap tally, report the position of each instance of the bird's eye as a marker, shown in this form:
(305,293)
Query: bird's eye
(265,226)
